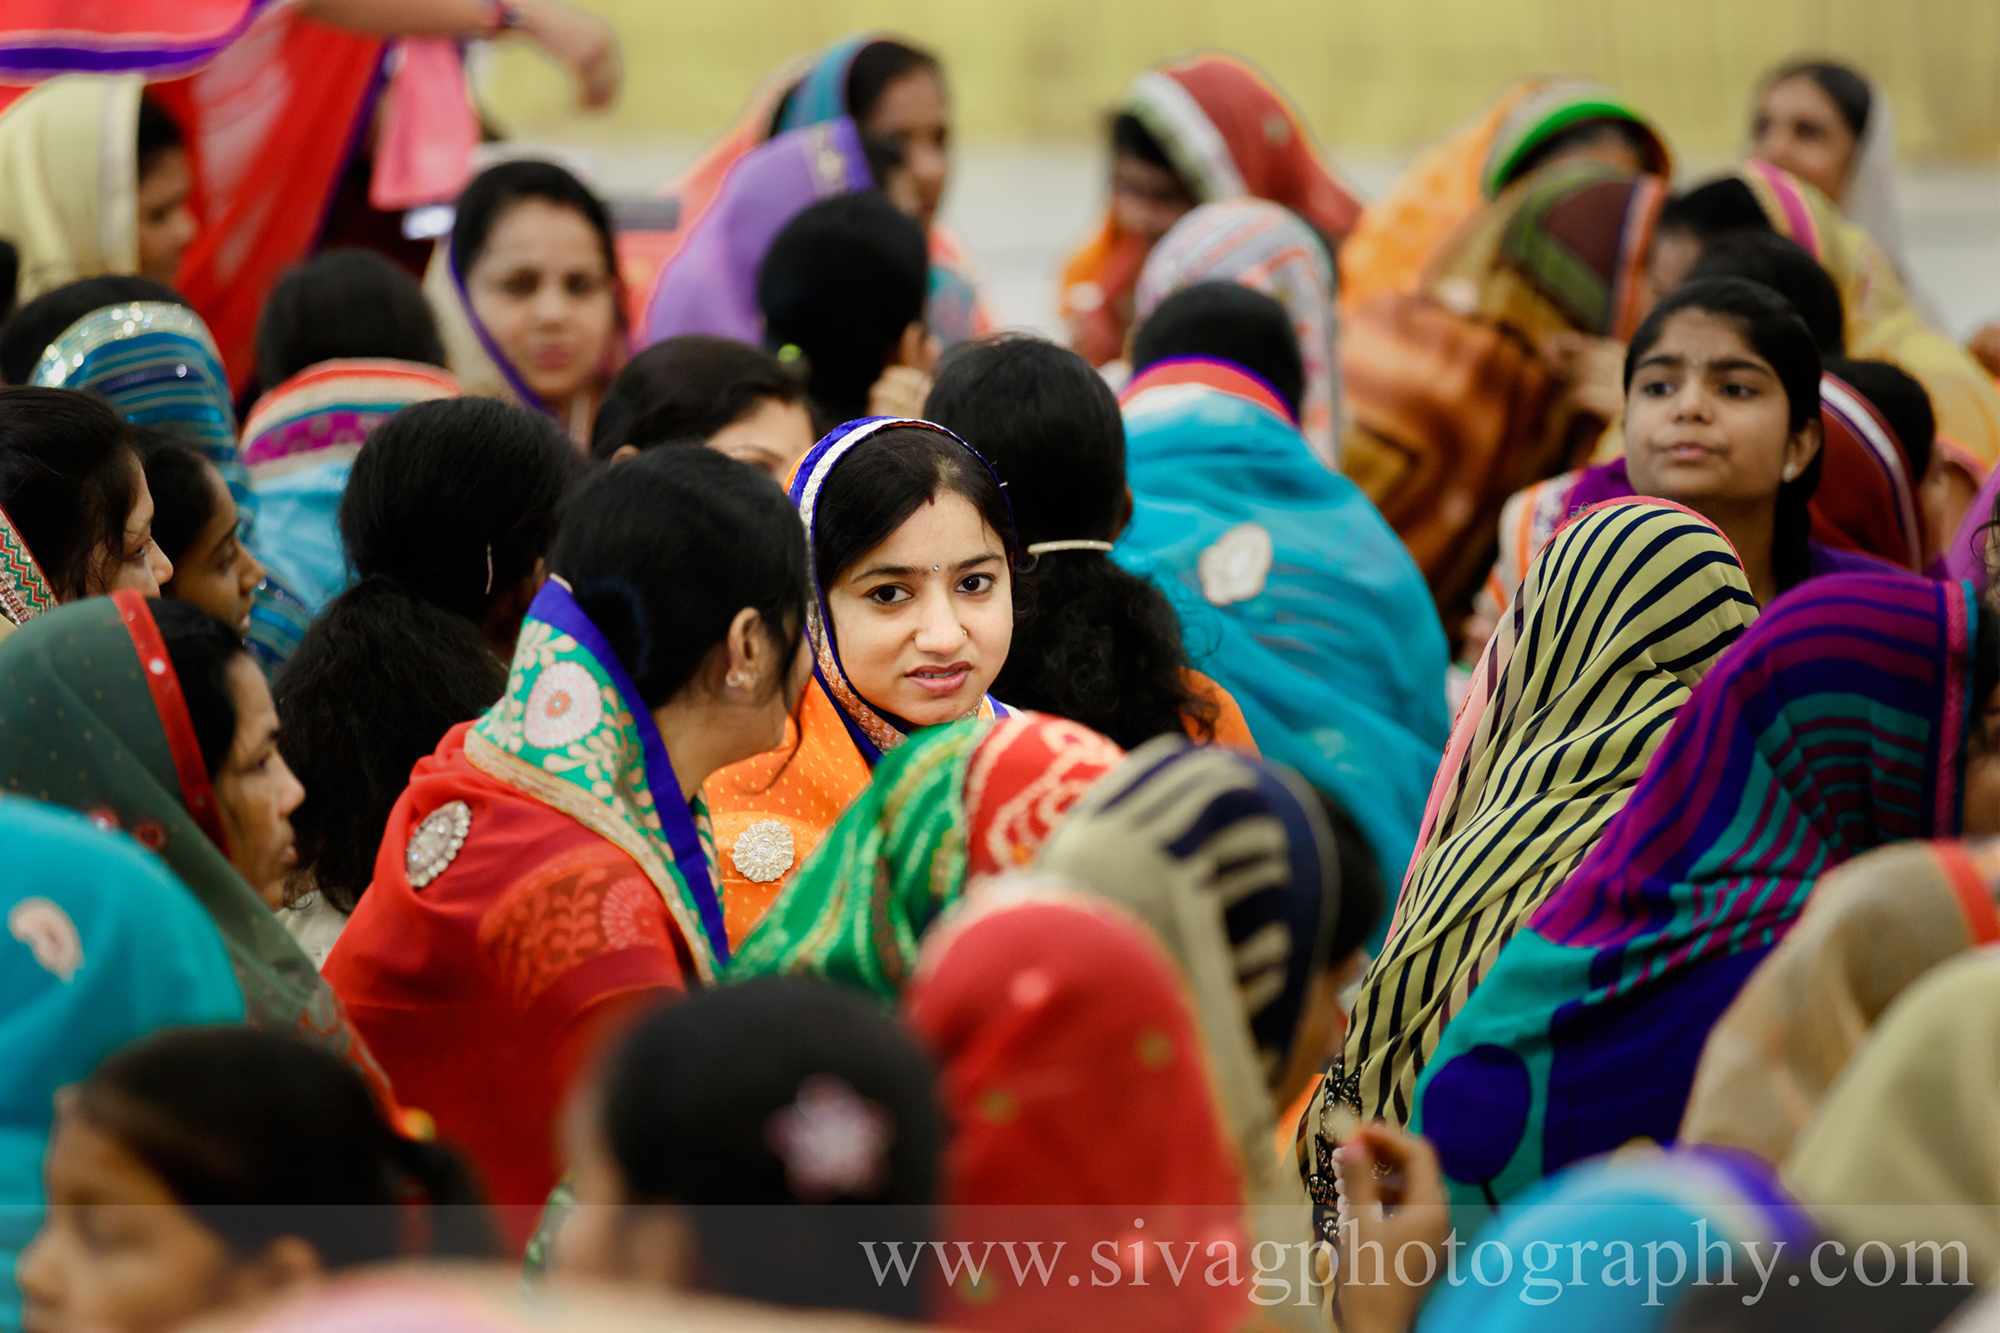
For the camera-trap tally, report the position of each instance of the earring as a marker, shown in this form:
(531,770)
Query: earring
(1791,472)
(739,680)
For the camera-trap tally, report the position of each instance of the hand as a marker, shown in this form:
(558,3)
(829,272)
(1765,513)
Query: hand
(1985,345)
(583,42)
(1592,368)
(1382,1217)
(899,393)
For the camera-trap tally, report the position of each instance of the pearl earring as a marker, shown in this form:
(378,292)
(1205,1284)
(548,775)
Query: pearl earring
(738,680)
(1791,472)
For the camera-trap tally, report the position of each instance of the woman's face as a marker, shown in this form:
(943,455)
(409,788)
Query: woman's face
(1798,127)
(166,223)
(542,290)
(217,572)
(116,1252)
(771,437)
(914,113)
(255,791)
(1146,200)
(136,562)
(924,620)
(1707,423)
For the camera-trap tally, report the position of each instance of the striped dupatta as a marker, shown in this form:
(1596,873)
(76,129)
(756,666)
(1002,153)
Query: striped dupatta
(1620,618)
(1838,724)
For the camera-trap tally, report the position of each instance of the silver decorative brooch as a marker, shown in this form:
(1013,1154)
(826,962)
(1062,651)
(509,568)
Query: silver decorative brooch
(764,851)
(436,843)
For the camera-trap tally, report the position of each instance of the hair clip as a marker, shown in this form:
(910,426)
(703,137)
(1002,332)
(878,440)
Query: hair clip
(832,1140)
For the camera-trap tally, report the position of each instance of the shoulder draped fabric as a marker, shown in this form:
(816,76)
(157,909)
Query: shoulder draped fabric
(802,94)
(1056,1023)
(102,947)
(1620,618)
(96,722)
(300,442)
(1266,247)
(1230,135)
(1715,1208)
(1837,724)
(1230,861)
(24,590)
(69,181)
(1905,1150)
(159,38)
(1452,408)
(1869,932)
(794,793)
(958,804)
(1883,323)
(541,876)
(710,286)
(1293,594)
(1865,504)
(1966,554)
(156,364)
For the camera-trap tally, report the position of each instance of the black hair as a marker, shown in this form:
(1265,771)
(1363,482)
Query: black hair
(1228,322)
(1131,138)
(201,649)
(456,500)
(1724,205)
(693,1125)
(840,284)
(159,133)
(498,188)
(1093,642)
(1580,135)
(1784,266)
(871,493)
(1903,403)
(41,321)
(264,1135)
(68,480)
(183,487)
(343,303)
(413,671)
(1362,898)
(688,388)
(10,281)
(879,64)
(1846,89)
(662,552)
(1777,334)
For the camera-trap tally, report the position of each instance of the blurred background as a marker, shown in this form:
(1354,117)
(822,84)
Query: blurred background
(1376,80)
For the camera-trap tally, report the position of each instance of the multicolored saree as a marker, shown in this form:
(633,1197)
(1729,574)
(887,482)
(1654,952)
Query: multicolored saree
(156,364)
(300,442)
(958,804)
(772,812)
(1265,247)
(541,876)
(1453,408)
(1838,724)
(1230,135)
(24,590)
(95,721)
(1620,618)
(1293,594)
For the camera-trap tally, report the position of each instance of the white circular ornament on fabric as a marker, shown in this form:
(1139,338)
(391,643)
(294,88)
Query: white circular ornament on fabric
(764,851)
(563,707)
(1237,567)
(436,843)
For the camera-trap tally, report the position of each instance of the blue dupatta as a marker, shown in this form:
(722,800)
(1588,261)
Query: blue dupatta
(1293,594)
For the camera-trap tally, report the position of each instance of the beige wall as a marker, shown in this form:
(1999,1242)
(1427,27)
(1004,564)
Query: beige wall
(1370,75)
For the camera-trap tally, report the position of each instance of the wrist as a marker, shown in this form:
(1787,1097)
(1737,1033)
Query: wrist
(505,16)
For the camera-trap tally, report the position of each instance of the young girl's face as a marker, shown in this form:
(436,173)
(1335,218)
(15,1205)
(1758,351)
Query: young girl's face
(924,620)
(1707,422)
(116,1253)
(217,572)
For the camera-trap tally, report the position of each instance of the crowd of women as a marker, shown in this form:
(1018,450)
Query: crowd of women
(582,738)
